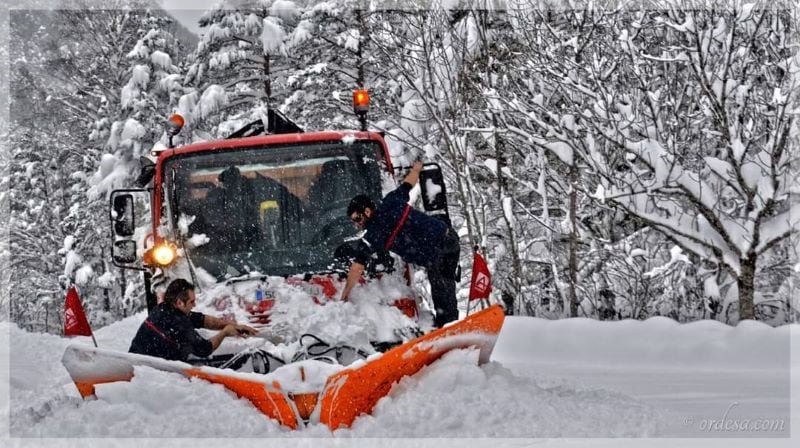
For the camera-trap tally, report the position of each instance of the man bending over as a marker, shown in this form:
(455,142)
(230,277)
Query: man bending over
(169,331)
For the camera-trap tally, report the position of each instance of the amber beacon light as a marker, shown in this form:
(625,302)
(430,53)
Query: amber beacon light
(175,124)
(360,101)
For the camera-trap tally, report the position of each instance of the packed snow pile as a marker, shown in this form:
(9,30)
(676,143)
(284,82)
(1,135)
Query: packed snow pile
(302,308)
(528,390)
(457,398)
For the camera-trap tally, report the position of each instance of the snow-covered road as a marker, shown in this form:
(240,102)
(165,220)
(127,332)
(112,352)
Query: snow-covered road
(571,378)
(695,374)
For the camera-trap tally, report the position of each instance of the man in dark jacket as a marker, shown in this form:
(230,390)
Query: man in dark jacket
(232,212)
(169,330)
(416,237)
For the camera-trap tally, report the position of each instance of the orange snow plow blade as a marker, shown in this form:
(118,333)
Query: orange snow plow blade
(353,392)
(270,401)
(89,366)
(346,394)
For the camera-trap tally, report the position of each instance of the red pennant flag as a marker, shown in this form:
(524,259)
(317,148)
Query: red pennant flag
(481,284)
(75,323)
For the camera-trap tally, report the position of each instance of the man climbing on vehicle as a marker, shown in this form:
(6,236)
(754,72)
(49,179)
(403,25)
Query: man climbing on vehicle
(416,237)
(169,330)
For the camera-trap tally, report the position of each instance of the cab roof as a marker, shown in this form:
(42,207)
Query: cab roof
(267,140)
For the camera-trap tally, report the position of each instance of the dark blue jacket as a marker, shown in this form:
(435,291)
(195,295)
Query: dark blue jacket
(168,333)
(419,239)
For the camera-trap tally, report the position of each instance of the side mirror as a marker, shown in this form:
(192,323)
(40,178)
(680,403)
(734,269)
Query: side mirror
(122,215)
(434,191)
(123,204)
(124,251)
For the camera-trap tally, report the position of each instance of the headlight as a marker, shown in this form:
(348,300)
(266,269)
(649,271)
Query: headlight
(161,255)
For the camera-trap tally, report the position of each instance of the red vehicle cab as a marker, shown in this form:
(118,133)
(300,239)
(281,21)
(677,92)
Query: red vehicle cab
(269,204)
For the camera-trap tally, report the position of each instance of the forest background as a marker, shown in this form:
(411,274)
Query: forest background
(612,160)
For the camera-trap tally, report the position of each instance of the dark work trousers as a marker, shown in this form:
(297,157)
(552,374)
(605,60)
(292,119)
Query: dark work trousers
(442,275)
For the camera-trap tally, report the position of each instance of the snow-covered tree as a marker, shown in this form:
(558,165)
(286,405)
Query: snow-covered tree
(151,92)
(43,175)
(147,98)
(332,53)
(439,62)
(684,115)
(67,90)
(239,65)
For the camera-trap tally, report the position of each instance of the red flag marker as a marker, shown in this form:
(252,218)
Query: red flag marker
(481,284)
(75,322)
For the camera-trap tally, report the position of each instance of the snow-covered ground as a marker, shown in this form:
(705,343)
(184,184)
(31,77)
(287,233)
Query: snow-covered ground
(571,378)
(694,374)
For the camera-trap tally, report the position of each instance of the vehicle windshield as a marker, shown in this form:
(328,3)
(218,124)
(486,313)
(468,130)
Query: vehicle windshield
(274,210)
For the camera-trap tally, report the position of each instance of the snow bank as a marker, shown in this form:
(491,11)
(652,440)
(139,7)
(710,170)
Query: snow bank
(156,404)
(658,341)
(453,397)
(31,359)
(456,398)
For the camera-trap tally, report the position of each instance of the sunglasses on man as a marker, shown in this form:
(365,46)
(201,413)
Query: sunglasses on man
(357,218)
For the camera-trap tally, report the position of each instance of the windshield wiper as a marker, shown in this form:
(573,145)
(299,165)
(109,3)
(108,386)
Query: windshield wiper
(246,277)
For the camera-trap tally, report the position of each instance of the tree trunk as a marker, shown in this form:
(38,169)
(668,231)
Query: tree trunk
(362,37)
(267,81)
(745,282)
(502,191)
(508,301)
(573,240)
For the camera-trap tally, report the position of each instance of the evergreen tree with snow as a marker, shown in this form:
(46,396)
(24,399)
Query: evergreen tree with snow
(67,95)
(332,52)
(239,65)
(152,91)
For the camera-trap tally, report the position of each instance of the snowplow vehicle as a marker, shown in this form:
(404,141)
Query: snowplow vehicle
(258,223)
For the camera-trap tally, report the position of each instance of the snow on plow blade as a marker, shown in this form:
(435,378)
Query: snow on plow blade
(353,392)
(346,394)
